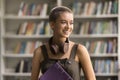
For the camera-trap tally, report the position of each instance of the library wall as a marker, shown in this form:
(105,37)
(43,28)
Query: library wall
(24,26)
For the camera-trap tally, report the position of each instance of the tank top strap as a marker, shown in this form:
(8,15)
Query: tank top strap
(73,51)
(44,51)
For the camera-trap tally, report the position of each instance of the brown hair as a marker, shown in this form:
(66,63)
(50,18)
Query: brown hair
(56,11)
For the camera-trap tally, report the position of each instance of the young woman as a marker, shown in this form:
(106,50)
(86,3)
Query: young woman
(71,55)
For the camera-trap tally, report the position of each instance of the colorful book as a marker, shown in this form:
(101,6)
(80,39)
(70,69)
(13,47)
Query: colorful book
(30,28)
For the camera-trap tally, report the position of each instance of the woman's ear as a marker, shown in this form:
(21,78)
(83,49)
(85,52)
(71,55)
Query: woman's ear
(52,25)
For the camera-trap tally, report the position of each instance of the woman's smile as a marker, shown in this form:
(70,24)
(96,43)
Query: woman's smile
(66,32)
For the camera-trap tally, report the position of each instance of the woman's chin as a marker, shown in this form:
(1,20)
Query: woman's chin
(66,36)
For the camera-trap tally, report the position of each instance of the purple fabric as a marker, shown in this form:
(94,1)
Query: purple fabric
(55,72)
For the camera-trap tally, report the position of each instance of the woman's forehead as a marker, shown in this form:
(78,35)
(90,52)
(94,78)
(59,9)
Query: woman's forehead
(65,15)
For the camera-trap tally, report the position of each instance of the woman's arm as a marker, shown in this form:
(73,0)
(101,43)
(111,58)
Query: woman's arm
(37,58)
(86,63)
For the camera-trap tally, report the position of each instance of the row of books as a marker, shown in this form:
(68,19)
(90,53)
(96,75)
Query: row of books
(95,8)
(100,66)
(23,66)
(105,66)
(26,47)
(31,28)
(32,9)
(98,27)
(102,46)
(92,27)
(94,47)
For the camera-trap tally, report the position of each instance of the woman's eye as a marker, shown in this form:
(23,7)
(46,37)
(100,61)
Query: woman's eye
(63,22)
(71,23)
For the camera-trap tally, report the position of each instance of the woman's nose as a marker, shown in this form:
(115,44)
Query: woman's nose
(68,25)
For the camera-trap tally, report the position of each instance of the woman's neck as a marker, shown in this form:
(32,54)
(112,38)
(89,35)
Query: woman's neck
(58,41)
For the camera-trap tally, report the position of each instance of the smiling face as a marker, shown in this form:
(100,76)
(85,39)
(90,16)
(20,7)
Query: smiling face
(63,26)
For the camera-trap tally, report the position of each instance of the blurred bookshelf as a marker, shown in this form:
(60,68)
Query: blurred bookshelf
(24,26)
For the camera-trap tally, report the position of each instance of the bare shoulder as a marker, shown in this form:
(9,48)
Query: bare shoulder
(82,50)
(38,54)
(85,61)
